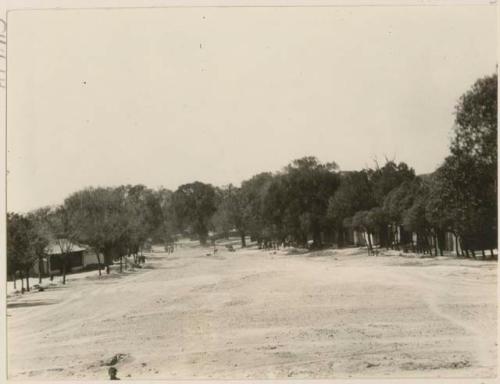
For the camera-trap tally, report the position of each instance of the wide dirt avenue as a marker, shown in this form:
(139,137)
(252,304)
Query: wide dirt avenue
(261,314)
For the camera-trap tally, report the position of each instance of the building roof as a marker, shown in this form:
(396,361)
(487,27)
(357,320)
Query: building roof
(54,249)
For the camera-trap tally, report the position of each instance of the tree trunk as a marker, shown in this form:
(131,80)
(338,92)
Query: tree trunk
(370,247)
(40,266)
(22,282)
(390,237)
(435,245)
(14,278)
(108,257)
(384,236)
(49,267)
(98,261)
(28,279)
(64,271)
(441,239)
(457,251)
(121,263)
(243,240)
(395,238)
(365,239)
(484,254)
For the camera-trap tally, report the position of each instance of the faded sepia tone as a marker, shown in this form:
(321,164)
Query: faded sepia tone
(251,193)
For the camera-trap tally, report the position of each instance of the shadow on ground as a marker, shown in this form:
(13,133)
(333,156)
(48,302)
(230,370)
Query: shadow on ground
(31,303)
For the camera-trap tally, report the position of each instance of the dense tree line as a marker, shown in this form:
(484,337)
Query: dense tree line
(306,204)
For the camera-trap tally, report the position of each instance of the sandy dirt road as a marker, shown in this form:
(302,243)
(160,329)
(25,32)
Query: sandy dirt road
(255,314)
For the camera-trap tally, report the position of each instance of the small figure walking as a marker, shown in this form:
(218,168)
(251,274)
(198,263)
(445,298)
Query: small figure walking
(112,371)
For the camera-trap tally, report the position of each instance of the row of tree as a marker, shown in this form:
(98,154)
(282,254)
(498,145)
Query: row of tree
(113,222)
(308,203)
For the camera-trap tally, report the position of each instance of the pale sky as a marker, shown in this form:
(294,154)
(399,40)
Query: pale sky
(168,96)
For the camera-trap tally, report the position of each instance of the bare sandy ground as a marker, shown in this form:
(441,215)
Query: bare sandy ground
(255,314)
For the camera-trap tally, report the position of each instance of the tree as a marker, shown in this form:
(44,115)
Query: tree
(166,231)
(194,205)
(354,194)
(414,219)
(361,223)
(440,211)
(115,221)
(62,225)
(467,180)
(474,148)
(21,253)
(307,186)
(384,180)
(467,191)
(476,122)
(230,212)
(143,216)
(88,208)
(290,205)
(396,203)
(281,216)
(221,221)
(254,195)
(41,236)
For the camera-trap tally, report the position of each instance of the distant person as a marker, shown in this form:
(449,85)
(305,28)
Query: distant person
(112,373)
